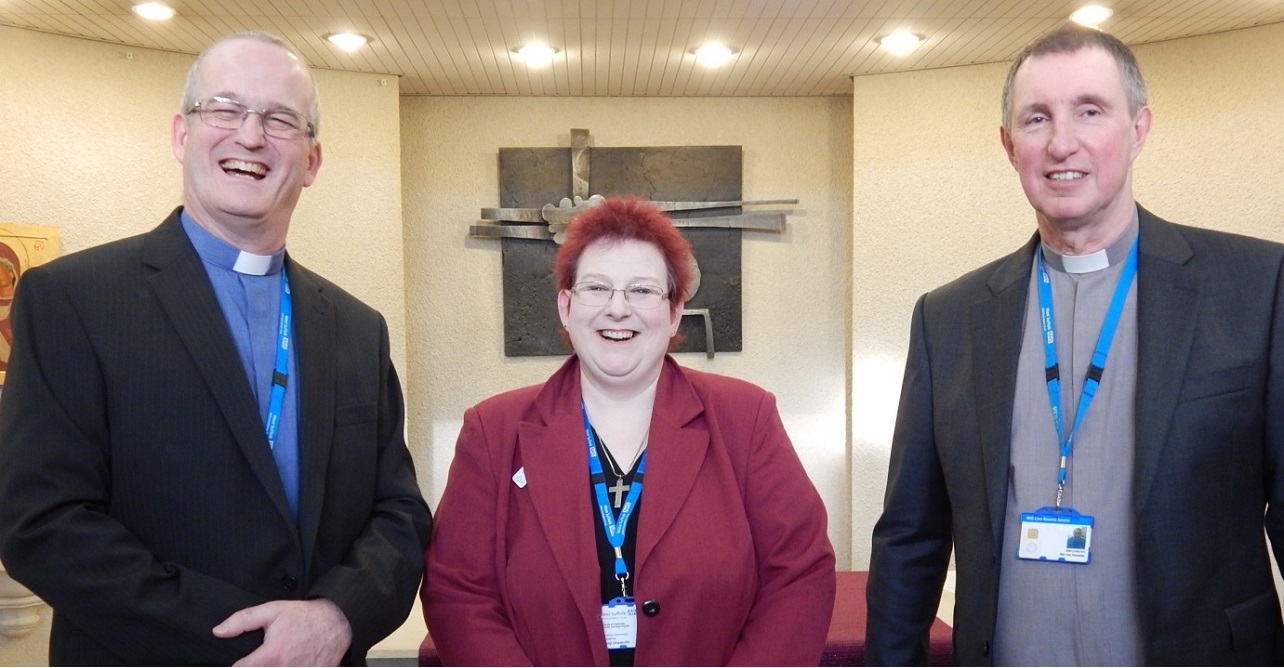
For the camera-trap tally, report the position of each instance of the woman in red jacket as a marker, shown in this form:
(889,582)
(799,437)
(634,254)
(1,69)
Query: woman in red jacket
(547,549)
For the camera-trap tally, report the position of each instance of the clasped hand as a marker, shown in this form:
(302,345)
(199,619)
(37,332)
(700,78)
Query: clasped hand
(295,633)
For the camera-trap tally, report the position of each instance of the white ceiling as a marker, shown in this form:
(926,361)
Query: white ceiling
(631,47)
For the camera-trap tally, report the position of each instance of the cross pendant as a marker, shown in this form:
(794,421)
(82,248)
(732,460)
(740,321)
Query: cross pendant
(619,489)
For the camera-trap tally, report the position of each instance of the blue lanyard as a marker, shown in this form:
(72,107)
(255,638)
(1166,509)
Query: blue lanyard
(280,373)
(615,528)
(1095,369)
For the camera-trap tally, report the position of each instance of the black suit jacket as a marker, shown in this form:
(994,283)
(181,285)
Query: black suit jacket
(1209,459)
(140,499)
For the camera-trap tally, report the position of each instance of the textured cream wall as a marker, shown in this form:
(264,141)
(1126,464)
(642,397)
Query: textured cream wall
(936,197)
(795,285)
(86,148)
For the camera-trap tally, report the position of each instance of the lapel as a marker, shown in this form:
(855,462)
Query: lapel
(184,292)
(996,323)
(675,454)
(1168,294)
(553,451)
(315,356)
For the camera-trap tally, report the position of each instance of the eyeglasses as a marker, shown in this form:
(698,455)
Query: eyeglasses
(227,114)
(638,296)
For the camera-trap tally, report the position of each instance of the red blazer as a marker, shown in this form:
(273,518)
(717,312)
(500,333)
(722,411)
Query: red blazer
(732,542)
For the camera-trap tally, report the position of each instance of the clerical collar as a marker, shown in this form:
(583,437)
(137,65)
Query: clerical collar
(223,255)
(1085,264)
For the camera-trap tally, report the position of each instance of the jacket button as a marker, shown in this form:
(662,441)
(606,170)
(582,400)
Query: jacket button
(985,649)
(651,608)
(288,583)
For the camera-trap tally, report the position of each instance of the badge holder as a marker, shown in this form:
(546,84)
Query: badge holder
(1056,534)
(620,621)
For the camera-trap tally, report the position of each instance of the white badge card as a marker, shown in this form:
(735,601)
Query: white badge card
(1060,535)
(620,621)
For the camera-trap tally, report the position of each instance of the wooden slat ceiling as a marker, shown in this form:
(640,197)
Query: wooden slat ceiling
(631,47)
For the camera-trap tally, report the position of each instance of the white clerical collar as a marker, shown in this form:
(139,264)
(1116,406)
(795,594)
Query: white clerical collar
(216,252)
(249,263)
(1083,264)
(1113,254)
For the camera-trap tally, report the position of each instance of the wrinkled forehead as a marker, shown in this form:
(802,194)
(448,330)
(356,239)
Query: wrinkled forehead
(1087,69)
(256,72)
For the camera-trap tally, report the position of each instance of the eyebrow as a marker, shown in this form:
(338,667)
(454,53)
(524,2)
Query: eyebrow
(1086,98)
(275,106)
(636,280)
(1094,99)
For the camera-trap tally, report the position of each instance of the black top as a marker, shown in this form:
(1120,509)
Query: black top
(605,555)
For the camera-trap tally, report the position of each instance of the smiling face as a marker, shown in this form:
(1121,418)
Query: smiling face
(242,185)
(620,347)
(1072,141)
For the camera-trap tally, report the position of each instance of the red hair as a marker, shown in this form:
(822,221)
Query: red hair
(618,219)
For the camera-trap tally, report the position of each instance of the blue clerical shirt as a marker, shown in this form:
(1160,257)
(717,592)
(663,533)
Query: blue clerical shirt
(248,288)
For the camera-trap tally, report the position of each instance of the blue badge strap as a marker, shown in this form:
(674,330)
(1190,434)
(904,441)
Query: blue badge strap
(615,528)
(280,373)
(1095,369)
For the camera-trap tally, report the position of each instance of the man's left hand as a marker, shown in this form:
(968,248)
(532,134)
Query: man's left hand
(295,633)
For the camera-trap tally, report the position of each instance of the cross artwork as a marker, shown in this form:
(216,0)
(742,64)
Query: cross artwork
(619,489)
(541,189)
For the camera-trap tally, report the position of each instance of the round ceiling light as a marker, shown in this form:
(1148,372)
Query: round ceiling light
(901,42)
(536,54)
(1091,16)
(153,11)
(348,41)
(713,54)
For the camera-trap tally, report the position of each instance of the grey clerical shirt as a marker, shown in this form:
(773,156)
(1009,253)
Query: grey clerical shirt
(1074,614)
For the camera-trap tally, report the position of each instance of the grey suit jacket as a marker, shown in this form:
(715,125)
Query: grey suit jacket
(140,498)
(1209,467)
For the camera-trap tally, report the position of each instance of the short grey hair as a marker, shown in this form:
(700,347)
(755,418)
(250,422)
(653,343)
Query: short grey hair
(1071,37)
(192,87)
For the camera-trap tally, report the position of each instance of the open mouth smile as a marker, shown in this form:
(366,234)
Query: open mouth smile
(254,170)
(617,334)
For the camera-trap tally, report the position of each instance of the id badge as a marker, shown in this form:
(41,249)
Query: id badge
(1052,534)
(620,621)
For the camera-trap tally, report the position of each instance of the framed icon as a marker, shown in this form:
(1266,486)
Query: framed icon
(21,248)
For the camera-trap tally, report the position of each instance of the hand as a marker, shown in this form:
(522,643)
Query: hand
(295,633)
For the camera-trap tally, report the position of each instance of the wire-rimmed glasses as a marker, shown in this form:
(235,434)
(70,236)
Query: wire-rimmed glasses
(228,114)
(596,295)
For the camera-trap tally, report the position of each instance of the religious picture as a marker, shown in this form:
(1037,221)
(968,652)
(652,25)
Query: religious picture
(21,247)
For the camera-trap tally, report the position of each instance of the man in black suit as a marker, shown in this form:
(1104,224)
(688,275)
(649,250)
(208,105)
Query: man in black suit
(202,457)
(1120,376)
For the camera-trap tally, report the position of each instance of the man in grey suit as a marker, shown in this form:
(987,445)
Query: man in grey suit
(1119,378)
(202,457)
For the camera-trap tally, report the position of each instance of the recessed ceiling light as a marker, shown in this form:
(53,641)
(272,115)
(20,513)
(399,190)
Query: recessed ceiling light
(536,54)
(901,42)
(713,54)
(348,41)
(154,11)
(1091,15)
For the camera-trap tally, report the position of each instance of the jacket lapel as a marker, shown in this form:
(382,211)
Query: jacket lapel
(675,454)
(314,355)
(553,451)
(1168,296)
(996,325)
(184,292)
